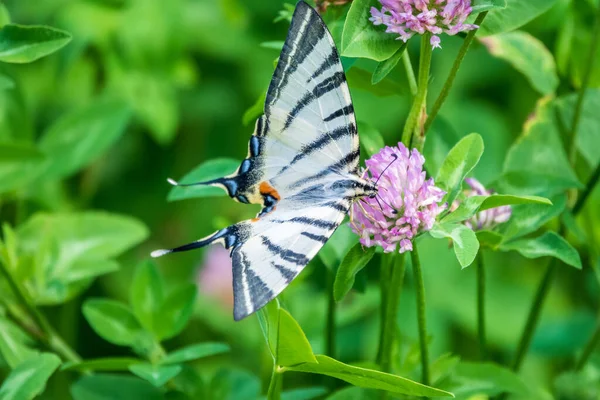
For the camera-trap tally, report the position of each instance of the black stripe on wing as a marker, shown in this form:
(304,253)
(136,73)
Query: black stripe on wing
(350,161)
(306,30)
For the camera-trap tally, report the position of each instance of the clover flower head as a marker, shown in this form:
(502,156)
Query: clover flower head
(486,219)
(407,17)
(405,205)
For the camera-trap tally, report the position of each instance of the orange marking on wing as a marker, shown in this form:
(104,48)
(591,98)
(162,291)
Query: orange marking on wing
(254,219)
(266,189)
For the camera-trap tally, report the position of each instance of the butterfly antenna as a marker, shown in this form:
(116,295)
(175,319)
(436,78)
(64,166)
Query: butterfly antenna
(395,157)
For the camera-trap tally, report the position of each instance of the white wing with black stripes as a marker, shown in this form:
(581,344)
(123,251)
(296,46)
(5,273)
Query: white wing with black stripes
(302,167)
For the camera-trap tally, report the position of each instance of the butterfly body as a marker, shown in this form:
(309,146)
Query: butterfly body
(302,167)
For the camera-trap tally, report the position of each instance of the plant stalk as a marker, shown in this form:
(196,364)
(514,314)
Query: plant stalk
(481,307)
(413,134)
(410,73)
(439,102)
(589,348)
(390,312)
(331,315)
(584,84)
(36,325)
(275,385)
(420,289)
(534,314)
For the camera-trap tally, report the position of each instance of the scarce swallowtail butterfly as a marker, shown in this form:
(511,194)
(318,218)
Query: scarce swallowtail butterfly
(302,167)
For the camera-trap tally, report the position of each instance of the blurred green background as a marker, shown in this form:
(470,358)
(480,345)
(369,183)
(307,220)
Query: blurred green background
(183,73)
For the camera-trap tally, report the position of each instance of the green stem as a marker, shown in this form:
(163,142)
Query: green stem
(331,313)
(410,73)
(275,385)
(584,84)
(534,314)
(588,349)
(413,135)
(453,72)
(36,325)
(420,286)
(481,307)
(589,187)
(384,283)
(390,307)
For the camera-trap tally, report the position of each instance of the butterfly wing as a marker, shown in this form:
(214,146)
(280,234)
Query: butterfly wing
(308,126)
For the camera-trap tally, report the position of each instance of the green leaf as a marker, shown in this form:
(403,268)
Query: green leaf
(293,346)
(541,145)
(146,296)
(527,55)
(285,338)
(463,157)
(256,110)
(113,387)
(81,136)
(367,378)
(464,241)
(529,218)
(337,246)
(362,39)
(489,239)
(370,138)
(14,344)
(516,14)
(29,378)
(548,245)
(175,312)
(359,78)
(90,234)
(233,384)
(211,169)
(157,375)
(304,393)
(479,6)
(11,152)
(113,321)
(486,379)
(24,44)
(587,140)
(354,261)
(4,16)
(194,352)
(102,364)
(385,67)
(474,204)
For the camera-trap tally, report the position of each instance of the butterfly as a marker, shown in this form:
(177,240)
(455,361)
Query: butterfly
(302,167)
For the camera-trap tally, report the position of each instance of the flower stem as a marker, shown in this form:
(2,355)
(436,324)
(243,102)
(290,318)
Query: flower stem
(390,312)
(418,273)
(588,349)
(453,72)
(331,312)
(36,325)
(481,307)
(534,314)
(584,84)
(413,134)
(274,392)
(589,187)
(410,73)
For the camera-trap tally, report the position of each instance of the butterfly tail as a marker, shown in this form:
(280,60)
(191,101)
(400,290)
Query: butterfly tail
(227,237)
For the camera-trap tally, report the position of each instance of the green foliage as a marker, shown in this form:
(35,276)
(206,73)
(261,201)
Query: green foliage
(386,66)
(549,244)
(113,321)
(23,44)
(354,261)
(463,157)
(194,352)
(157,375)
(464,241)
(472,205)
(516,14)
(361,38)
(528,55)
(489,379)
(114,387)
(28,379)
(486,5)
(370,138)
